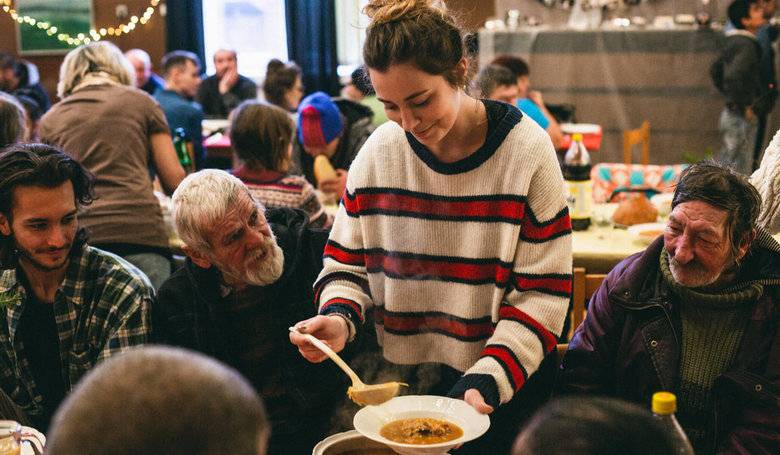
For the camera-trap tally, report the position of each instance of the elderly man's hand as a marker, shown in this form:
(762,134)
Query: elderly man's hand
(332,330)
(228,81)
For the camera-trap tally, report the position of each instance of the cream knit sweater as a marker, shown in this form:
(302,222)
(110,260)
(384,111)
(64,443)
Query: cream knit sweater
(767,180)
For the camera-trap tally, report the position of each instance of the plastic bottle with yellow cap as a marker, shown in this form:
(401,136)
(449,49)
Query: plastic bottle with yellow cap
(664,407)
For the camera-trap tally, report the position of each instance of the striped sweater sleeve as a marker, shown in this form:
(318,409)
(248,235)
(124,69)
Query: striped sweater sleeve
(534,308)
(342,286)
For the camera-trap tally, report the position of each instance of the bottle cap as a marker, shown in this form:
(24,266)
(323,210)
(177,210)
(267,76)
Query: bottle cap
(664,403)
(576,137)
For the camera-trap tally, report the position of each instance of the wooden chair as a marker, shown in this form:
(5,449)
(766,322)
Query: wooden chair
(631,138)
(585,285)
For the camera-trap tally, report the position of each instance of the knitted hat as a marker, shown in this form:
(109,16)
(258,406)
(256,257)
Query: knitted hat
(319,120)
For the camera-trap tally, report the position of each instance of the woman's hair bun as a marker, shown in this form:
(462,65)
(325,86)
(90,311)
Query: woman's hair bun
(274,65)
(384,11)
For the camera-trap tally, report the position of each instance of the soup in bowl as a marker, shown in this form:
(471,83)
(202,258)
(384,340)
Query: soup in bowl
(421,424)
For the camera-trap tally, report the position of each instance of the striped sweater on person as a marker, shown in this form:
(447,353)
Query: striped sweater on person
(276,189)
(467,264)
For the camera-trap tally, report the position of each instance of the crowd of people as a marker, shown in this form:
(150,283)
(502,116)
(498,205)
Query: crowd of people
(448,264)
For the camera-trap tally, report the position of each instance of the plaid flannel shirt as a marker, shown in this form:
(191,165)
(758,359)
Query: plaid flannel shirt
(101,308)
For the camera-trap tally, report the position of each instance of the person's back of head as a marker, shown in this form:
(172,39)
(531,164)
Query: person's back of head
(13,125)
(739,10)
(97,58)
(492,77)
(261,135)
(593,426)
(158,399)
(280,78)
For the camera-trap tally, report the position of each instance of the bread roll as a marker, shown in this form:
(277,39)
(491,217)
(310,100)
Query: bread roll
(323,170)
(635,210)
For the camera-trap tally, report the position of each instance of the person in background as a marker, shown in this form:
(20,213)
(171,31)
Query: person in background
(182,79)
(766,36)
(283,86)
(739,80)
(117,132)
(334,128)
(261,135)
(360,90)
(145,79)
(66,305)
(13,124)
(530,101)
(19,77)
(32,117)
(159,399)
(221,92)
(248,278)
(495,82)
(453,228)
(695,314)
(593,426)
(766,179)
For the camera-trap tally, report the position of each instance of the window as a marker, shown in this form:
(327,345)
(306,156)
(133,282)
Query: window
(351,26)
(255,29)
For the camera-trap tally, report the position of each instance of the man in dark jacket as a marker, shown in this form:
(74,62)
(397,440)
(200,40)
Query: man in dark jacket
(247,279)
(21,78)
(221,92)
(336,128)
(737,75)
(696,314)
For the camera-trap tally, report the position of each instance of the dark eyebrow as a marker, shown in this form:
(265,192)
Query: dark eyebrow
(413,95)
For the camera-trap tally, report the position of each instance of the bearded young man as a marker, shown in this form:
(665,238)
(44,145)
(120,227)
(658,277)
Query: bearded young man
(64,306)
(695,314)
(248,277)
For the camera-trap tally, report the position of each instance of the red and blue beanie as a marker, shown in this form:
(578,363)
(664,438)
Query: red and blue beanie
(319,120)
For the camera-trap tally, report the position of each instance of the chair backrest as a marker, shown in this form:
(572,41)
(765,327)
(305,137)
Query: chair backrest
(631,138)
(608,177)
(585,285)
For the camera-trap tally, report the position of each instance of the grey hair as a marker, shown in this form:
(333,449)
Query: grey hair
(160,399)
(13,123)
(141,55)
(202,199)
(100,56)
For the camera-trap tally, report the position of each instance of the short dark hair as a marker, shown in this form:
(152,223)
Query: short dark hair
(261,135)
(280,78)
(493,76)
(723,188)
(514,64)
(361,81)
(738,10)
(159,399)
(7,61)
(593,426)
(38,165)
(175,59)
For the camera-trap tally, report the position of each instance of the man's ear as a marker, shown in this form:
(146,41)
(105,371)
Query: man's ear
(5,225)
(197,257)
(745,242)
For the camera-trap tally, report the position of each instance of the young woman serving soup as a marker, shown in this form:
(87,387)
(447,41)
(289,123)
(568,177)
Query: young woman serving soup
(453,226)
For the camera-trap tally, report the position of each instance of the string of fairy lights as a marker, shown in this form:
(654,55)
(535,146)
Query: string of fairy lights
(95,34)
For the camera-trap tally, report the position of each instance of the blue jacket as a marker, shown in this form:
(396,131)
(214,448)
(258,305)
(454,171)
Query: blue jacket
(182,113)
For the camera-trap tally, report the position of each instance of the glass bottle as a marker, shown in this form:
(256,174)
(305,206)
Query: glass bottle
(182,145)
(576,172)
(664,407)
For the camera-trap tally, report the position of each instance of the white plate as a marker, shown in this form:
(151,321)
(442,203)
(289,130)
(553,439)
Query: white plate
(369,420)
(645,233)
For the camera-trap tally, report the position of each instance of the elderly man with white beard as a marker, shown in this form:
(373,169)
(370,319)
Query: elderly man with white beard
(695,314)
(248,277)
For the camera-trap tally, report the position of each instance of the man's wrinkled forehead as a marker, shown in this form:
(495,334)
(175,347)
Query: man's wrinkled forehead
(239,210)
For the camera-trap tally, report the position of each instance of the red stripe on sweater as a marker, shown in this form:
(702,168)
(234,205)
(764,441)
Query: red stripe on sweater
(414,267)
(556,285)
(507,209)
(344,302)
(343,256)
(413,324)
(550,229)
(511,313)
(504,356)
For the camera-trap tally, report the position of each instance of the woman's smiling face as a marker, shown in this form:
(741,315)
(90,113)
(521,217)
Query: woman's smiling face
(423,104)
